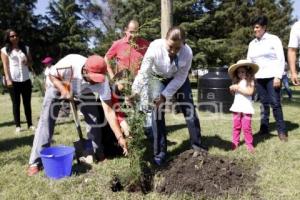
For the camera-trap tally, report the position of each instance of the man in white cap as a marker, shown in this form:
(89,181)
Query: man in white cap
(76,75)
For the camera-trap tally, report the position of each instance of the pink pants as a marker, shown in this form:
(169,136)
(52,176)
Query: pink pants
(242,121)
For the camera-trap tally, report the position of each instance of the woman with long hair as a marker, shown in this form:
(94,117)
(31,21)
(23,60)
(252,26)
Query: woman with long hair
(16,59)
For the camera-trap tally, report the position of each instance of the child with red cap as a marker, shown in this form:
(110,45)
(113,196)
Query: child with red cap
(47,62)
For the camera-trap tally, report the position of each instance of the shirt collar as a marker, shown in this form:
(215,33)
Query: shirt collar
(265,36)
(165,46)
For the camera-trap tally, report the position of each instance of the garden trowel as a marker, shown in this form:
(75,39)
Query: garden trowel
(83,147)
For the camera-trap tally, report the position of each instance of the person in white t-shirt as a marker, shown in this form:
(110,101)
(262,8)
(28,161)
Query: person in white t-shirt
(16,59)
(294,44)
(80,77)
(242,75)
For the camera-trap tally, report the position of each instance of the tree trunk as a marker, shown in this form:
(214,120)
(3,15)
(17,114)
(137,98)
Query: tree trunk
(166,16)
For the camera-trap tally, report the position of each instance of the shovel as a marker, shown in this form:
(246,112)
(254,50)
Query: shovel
(83,147)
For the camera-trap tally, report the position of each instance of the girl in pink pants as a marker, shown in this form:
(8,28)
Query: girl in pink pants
(242,75)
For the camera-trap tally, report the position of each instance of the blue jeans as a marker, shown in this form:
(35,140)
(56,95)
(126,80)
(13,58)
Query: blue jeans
(185,100)
(286,87)
(270,96)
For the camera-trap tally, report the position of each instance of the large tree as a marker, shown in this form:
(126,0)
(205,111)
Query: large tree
(220,35)
(66,27)
(121,12)
(18,15)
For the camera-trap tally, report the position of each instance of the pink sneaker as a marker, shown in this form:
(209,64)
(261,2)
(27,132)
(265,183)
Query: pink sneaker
(250,149)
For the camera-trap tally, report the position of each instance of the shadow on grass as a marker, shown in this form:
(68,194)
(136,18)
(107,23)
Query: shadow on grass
(7,124)
(60,121)
(208,141)
(175,127)
(80,168)
(10,144)
(10,123)
(216,141)
(290,126)
(259,138)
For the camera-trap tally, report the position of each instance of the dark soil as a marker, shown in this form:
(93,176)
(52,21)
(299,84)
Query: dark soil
(144,184)
(205,176)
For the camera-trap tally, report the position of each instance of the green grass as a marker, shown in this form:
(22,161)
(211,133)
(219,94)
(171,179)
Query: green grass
(277,163)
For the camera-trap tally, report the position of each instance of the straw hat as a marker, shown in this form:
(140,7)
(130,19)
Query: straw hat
(240,63)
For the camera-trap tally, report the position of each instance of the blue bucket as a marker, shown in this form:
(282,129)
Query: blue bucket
(57,161)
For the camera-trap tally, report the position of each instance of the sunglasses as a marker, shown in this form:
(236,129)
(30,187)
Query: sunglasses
(13,36)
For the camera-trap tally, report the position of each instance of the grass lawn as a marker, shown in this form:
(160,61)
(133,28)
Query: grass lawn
(277,163)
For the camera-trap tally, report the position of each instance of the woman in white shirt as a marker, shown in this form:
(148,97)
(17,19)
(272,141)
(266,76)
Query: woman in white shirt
(16,59)
(267,52)
(164,73)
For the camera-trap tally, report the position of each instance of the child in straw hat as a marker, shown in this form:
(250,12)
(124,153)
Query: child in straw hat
(242,75)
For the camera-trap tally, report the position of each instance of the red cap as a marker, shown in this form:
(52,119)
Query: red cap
(96,68)
(47,60)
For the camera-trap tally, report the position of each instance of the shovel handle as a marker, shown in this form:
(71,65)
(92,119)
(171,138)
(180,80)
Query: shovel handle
(75,117)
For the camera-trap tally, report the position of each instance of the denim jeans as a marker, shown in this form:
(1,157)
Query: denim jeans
(185,100)
(270,96)
(286,87)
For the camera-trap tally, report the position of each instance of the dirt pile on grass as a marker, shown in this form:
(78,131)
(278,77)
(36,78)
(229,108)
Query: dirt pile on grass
(205,176)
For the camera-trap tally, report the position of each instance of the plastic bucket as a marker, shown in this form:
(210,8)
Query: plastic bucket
(57,161)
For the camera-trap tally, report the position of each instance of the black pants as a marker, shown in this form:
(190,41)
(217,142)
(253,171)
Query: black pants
(23,89)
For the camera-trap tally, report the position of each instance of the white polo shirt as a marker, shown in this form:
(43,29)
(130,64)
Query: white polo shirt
(268,54)
(69,69)
(19,71)
(294,41)
(157,61)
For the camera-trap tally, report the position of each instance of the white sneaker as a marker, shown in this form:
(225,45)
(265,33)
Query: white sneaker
(87,160)
(18,129)
(32,128)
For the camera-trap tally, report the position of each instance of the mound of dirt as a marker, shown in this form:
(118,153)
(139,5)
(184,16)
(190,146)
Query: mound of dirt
(205,176)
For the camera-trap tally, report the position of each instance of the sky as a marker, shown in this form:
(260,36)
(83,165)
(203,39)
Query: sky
(42,5)
(297,9)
